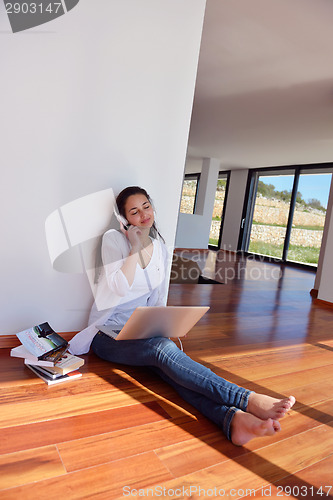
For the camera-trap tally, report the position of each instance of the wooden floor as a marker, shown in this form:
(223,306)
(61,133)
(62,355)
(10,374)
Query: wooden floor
(115,431)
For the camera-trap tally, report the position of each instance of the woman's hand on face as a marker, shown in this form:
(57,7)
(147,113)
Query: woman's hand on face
(133,234)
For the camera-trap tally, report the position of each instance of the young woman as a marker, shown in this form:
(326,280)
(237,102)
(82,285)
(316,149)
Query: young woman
(133,274)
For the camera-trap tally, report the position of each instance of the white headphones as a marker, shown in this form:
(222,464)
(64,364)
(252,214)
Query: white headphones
(120,218)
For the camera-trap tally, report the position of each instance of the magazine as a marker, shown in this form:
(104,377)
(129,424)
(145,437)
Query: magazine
(21,352)
(42,341)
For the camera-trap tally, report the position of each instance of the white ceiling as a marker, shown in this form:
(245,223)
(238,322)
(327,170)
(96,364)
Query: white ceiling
(264,91)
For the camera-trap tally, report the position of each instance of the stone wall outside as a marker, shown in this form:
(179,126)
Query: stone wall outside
(275,235)
(271,211)
(276,212)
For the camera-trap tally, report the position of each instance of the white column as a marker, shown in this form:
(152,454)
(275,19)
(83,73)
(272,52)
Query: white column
(207,187)
(324,276)
(234,209)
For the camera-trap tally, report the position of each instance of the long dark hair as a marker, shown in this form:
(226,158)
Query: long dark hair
(121,202)
(123,197)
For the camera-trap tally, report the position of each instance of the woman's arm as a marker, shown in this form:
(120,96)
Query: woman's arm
(119,261)
(129,266)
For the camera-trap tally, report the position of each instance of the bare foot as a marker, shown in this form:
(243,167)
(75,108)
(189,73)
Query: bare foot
(245,427)
(265,407)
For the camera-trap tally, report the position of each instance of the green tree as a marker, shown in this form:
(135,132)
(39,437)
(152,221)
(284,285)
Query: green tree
(314,203)
(266,190)
(284,195)
(221,184)
(299,197)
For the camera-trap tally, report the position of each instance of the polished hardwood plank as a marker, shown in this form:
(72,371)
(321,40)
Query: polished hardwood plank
(52,431)
(285,383)
(122,426)
(312,482)
(182,459)
(104,482)
(253,470)
(194,455)
(131,441)
(28,466)
(37,411)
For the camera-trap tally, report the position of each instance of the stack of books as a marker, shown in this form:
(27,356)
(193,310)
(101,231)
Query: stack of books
(46,354)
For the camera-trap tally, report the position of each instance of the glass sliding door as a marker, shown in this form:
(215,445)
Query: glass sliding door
(309,216)
(286,211)
(218,211)
(270,209)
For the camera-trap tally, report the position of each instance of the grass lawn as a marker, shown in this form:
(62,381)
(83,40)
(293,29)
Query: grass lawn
(305,255)
(309,228)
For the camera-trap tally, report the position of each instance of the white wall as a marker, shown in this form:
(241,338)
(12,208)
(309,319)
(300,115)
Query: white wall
(99,98)
(234,209)
(193,165)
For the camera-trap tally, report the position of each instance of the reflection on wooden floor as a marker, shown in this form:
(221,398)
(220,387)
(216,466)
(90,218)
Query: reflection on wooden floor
(116,431)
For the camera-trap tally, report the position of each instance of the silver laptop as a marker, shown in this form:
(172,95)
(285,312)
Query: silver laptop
(165,321)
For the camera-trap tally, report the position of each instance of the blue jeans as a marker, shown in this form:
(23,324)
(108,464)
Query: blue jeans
(213,396)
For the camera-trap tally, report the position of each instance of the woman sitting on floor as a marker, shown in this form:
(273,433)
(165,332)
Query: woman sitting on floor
(133,274)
